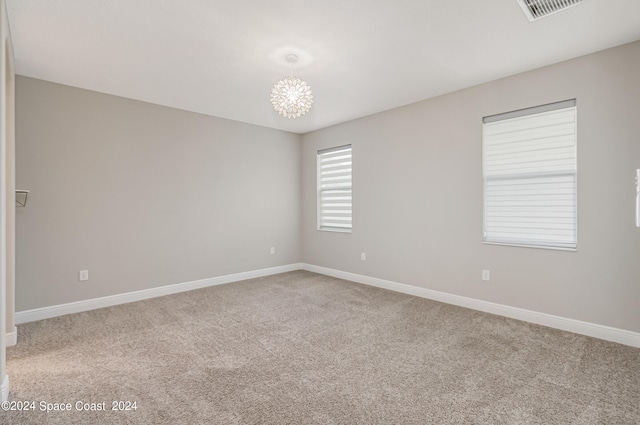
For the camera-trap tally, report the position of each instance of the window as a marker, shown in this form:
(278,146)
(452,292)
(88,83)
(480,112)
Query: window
(530,177)
(334,189)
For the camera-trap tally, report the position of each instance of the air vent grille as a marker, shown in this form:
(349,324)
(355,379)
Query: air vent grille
(536,9)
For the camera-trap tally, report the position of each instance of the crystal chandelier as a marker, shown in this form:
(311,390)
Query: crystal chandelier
(291,97)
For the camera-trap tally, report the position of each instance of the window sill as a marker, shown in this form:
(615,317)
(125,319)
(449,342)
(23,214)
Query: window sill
(335,230)
(553,248)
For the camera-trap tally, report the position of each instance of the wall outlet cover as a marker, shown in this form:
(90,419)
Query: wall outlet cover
(486,275)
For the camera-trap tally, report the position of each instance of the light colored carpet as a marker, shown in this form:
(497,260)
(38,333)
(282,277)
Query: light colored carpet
(302,348)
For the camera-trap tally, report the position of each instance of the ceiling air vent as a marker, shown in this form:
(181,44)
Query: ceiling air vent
(536,9)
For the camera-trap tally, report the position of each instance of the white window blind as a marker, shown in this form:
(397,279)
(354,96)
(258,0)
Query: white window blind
(334,189)
(530,177)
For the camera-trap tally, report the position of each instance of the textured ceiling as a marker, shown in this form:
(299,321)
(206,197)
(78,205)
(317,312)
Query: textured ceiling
(221,58)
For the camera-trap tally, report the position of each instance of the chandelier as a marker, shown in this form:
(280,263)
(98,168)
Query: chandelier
(291,97)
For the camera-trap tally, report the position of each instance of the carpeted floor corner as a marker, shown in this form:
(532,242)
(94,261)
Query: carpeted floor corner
(302,348)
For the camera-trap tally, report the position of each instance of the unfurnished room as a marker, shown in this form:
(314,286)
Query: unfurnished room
(320,212)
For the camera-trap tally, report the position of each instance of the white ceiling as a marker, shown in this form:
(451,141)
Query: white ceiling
(360,57)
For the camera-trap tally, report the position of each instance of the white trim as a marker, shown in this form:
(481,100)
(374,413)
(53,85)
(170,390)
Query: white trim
(620,336)
(92,304)
(4,390)
(12,337)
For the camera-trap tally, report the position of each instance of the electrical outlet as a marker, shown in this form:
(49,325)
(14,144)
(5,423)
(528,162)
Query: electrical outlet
(363,256)
(83,275)
(486,275)
(273,250)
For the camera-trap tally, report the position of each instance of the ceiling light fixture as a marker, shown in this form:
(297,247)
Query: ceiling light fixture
(291,97)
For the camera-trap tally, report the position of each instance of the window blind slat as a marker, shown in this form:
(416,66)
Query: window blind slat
(529,166)
(340,163)
(530,127)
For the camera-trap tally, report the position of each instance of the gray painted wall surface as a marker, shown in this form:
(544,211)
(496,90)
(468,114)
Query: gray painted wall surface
(417,174)
(144,196)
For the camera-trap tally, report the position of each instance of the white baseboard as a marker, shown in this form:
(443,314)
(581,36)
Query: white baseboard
(92,304)
(4,389)
(12,337)
(583,328)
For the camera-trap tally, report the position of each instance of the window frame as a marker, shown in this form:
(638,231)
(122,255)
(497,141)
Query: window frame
(321,224)
(573,174)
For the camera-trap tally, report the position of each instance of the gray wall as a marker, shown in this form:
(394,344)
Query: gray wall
(144,196)
(418,195)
